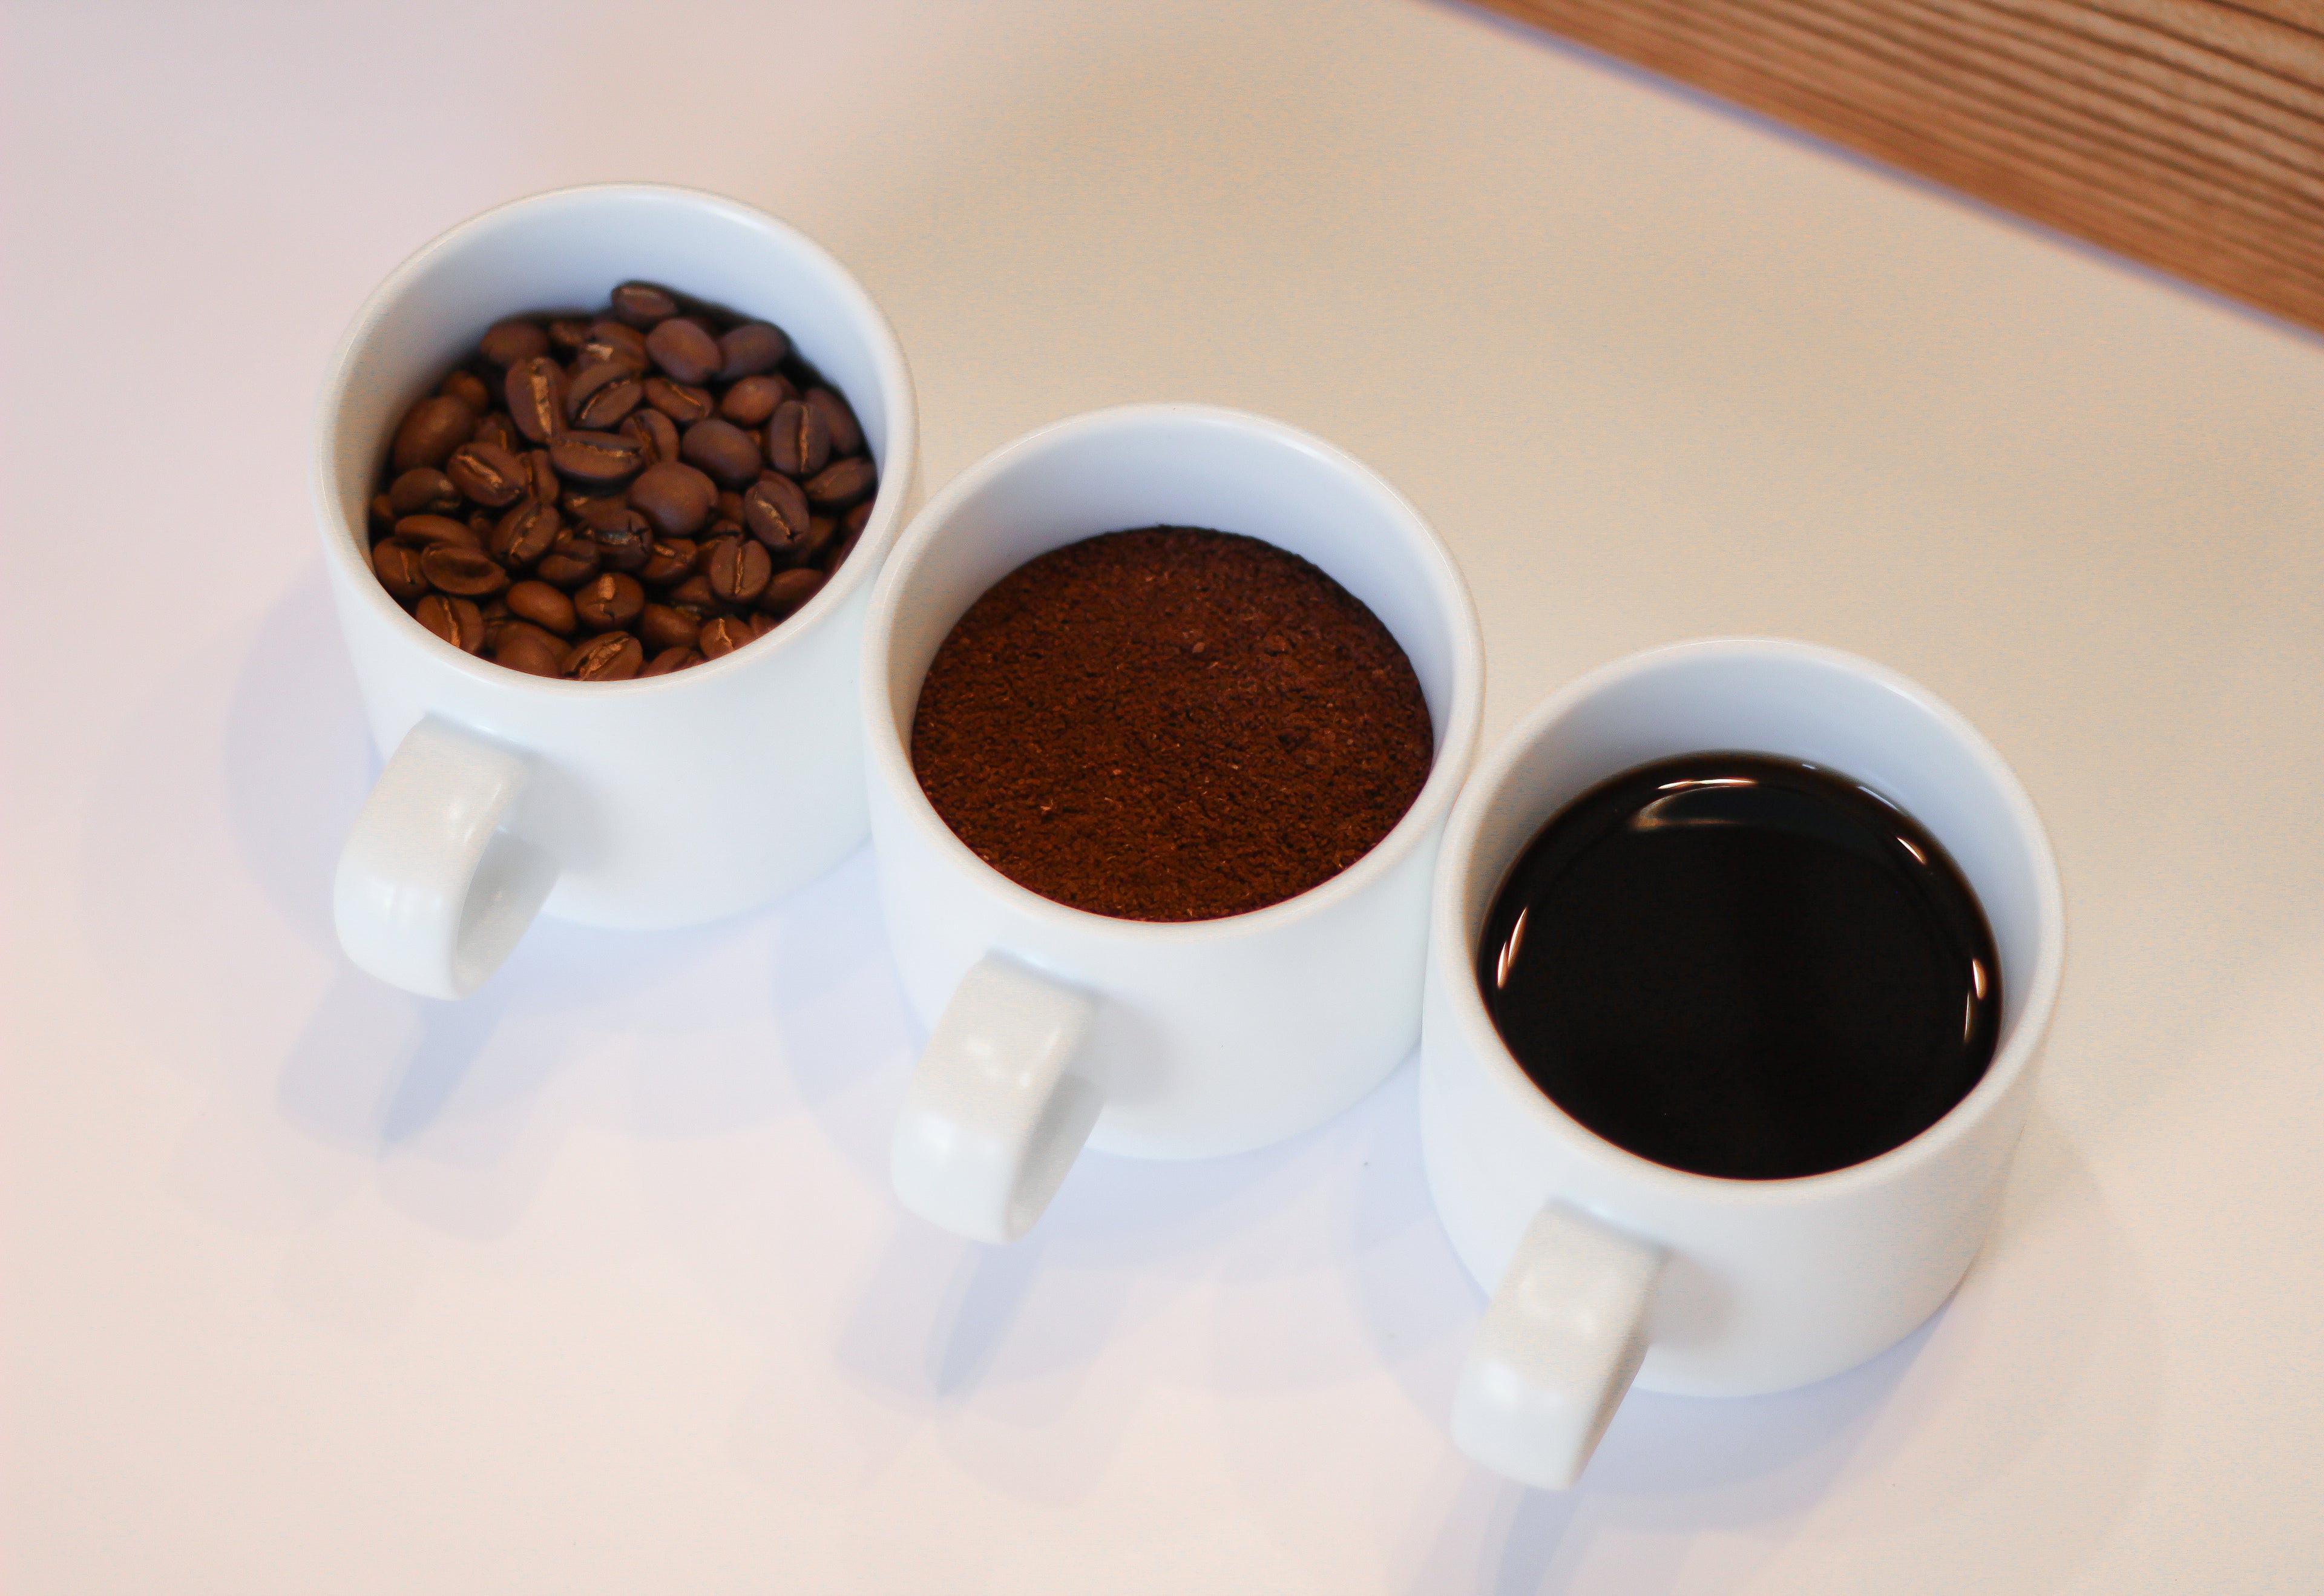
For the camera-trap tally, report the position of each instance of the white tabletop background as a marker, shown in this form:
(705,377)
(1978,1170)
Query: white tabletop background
(593,1283)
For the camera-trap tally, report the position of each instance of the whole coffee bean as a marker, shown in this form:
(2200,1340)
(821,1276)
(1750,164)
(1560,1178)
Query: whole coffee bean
(841,482)
(611,601)
(723,636)
(513,340)
(500,432)
(543,606)
(465,573)
(846,433)
(739,570)
(675,497)
(670,560)
(852,533)
(790,590)
(431,430)
(720,448)
(694,593)
(527,648)
(749,402)
(625,545)
(535,390)
(469,390)
(681,404)
(751,349)
(611,343)
(822,532)
(775,511)
(642,304)
(544,485)
(566,334)
(454,620)
(424,532)
(609,656)
(397,566)
(655,434)
(381,515)
(493,477)
(424,491)
(601,396)
(570,561)
(760,623)
(671,659)
(525,533)
(659,626)
(799,440)
(597,459)
(684,349)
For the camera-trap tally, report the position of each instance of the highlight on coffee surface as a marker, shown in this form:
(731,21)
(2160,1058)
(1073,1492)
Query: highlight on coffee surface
(622,494)
(1170,724)
(1742,966)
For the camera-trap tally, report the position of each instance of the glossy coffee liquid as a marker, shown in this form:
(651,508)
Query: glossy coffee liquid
(1742,966)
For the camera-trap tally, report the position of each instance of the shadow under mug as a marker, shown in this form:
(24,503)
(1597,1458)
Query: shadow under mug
(1603,1266)
(1051,1027)
(640,804)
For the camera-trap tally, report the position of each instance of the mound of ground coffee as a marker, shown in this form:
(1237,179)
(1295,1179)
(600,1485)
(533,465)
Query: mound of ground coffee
(1170,725)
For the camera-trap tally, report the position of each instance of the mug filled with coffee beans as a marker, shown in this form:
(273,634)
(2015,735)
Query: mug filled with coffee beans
(604,476)
(1741,958)
(1165,706)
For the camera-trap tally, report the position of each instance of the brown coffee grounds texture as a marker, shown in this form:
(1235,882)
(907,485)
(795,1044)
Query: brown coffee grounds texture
(1170,724)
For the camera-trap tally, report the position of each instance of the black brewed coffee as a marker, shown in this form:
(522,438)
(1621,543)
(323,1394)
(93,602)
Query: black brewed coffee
(1742,966)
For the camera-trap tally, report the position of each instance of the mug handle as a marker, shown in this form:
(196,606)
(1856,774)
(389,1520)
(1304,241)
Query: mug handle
(431,896)
(995,1115)
(1559,1346)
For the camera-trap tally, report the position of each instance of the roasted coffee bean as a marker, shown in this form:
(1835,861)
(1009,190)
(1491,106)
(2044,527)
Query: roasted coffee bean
(521,646)
(525,533)
(493,477)
(846,433)
(397,566)
(611,601)
(723,636)
(535,390)
(685,350)
(667,560)
(602,396)
(465,573)
(431,430)
(424,532)
(543,606)
(842,483)
(799,440)
(749,402)
(424,491)
(760,623)
(661,626)
(790,590)
(675,497)
(751,349)
(822,532)
(739,570)
(694,593)
(720,448)
(609,656)
(671,659)
(570,561)
(514,340)
(454,620)
(566,334)
(852,533)
(381,515)
(481,523)
(612,343)
(626,544)
(655,434)
(466,387)
(642,304)
(681,404)
(499,431)
(775,511)
(596,460)
(544,485)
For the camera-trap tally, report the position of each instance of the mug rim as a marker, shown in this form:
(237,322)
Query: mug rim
(890,759)
(900,405)
(1451,961)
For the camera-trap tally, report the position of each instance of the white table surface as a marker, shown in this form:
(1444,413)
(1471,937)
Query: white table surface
(593,1283)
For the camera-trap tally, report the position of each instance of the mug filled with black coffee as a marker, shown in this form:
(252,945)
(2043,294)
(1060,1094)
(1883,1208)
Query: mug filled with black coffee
(1165,706)
(1742,955)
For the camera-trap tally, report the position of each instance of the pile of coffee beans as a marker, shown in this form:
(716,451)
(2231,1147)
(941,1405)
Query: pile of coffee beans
(620,495)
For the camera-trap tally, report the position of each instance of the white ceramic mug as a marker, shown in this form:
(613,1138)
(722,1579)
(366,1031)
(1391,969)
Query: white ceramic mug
(638,804)
(1602,1265)
(1052,1027)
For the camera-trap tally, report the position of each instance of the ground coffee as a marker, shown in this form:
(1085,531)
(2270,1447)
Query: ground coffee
(622,494)
(1170,725)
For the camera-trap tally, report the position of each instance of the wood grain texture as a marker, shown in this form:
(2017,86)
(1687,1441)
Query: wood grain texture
(2186,134)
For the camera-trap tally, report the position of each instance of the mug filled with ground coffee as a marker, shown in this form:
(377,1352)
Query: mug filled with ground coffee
(1165,708)
(1741,959)
(604,476)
